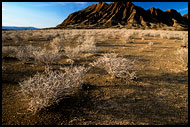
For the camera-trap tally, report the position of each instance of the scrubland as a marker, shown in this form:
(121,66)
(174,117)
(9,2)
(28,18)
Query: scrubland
(99,76)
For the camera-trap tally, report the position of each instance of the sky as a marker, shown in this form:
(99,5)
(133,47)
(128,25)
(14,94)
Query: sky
(50,14)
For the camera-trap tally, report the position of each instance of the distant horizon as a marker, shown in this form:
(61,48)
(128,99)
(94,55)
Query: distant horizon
(50,14)
(17,26)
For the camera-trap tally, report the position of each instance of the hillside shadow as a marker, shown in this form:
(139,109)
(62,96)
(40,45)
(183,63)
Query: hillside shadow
(111,45)
(10,59)
(143,105)
(140,106)
(166,77)
(70,107)
(17,76)
(138,58)
(149,110)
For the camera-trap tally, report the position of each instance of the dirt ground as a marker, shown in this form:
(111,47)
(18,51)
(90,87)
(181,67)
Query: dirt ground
(159,96)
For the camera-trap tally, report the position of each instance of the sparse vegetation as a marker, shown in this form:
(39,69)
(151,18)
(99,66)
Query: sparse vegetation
(57,43)
(87,46)
(25,53)
(151,44)
(182,55)
(72,52)
(8,50)
(151,69)
(45,56)
(185,42)
(44,90)
(116,66)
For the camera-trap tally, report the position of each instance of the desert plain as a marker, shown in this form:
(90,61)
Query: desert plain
(156,94)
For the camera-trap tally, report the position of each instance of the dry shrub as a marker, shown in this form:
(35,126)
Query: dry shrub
(13,36)
(8,50)
(72,52)
(25,53)
(182,54)
(45,56)
(150,44)
(46,89)
(185,43)
(173,36)
(57,43)
(116,66)
(164,36)
(126,37)
(3,68)
(87,46)
(5,36)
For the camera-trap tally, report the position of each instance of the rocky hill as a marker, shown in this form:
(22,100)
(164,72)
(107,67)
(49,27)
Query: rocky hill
(123,14)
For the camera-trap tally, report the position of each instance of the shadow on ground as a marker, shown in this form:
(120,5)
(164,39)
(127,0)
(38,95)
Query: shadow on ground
(159,99)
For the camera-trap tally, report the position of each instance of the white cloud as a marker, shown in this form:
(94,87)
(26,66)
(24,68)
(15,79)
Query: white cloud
(44,4)
(77,3)
(62,3)
(81,3)
(183,9)
(3,9)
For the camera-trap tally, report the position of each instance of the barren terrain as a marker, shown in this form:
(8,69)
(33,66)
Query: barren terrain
(157,96)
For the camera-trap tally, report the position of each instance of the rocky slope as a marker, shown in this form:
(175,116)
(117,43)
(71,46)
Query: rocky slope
(185,16)
(123,14)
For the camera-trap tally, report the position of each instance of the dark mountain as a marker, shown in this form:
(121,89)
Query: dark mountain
(121,14)
(18,28)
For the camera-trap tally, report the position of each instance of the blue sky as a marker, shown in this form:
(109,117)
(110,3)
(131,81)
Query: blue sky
(50,14)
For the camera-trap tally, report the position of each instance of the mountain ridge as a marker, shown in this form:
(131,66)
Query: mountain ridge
(103,15)
(18,28)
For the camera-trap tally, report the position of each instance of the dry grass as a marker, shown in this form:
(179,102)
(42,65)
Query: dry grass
(8,51)
(47,89)
(25,53)
(57,43)
(116,66)
(182,55)
(87,46)
(46,57)
(160,90)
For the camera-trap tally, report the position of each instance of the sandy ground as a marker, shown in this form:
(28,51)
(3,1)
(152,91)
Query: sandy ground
(158,97)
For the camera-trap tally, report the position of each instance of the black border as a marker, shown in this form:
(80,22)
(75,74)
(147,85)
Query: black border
(99,1)
(95,0)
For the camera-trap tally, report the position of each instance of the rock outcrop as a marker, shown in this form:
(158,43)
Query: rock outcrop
(103,15)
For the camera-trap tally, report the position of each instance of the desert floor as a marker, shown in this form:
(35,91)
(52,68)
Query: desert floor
(159,96)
